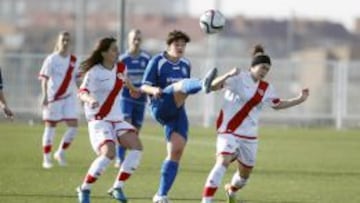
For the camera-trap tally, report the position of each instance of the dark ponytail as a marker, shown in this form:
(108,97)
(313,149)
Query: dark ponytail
(258,49)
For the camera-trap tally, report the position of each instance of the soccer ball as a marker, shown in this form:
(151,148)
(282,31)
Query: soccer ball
(212,21)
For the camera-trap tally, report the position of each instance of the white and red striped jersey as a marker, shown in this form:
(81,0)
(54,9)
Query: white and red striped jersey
(61,73)
(243,101)
(104,86)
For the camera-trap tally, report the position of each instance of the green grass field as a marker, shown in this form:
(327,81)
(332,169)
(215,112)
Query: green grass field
(293,166)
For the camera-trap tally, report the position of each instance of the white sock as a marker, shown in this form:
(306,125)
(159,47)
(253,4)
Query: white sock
(47,141)
(213,181)
(131,162)
(97,167)
(68,137)
(238,182)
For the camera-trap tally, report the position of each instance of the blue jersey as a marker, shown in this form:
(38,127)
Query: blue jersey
(135,70)
(162,72)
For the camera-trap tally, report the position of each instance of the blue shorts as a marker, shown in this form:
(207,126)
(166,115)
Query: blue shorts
(133,111)
(173,118)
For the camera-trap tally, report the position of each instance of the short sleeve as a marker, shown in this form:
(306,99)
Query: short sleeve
(150,74)
(271,98)
(45,70)
(89,82)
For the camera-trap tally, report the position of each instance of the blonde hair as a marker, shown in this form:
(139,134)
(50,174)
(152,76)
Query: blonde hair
(58,41)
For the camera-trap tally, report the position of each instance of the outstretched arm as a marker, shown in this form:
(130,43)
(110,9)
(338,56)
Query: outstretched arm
(287,103)
(218,83)
(153,91)
(134,91)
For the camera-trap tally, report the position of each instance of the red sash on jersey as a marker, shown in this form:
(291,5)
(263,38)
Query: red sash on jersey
(239,117)
(65,83)
(109,101)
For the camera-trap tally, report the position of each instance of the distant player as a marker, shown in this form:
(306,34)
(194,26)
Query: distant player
(3,105)
(58,75)
(246,93)
(132,104)
(167,80)
(104,78)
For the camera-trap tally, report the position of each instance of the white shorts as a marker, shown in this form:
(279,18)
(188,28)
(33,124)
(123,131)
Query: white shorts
(101,132)
(61,110)
(244,149)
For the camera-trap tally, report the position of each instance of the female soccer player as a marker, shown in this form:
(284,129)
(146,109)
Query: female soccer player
(3,105)
(133,103)
(104,78)
(237,125)
(167,80)
(58,75)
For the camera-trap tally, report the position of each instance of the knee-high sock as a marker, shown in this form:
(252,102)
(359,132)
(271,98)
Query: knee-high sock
(97,167)
(131,162)
(169,171)
(213,181)
(47,140)
(68,137)
(191,86)
(120,152)
(237,182)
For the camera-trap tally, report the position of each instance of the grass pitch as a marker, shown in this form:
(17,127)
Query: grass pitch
(293,166)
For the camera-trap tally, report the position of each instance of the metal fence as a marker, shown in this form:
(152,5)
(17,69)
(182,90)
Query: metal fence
(334,99)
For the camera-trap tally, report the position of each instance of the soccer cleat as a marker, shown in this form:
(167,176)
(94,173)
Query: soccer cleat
(160,199)
(230,196)
(60,158)
(209,77)
(83,195)
(47,164)
(118,194)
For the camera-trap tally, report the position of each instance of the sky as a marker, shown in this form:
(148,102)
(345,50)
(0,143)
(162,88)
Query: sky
(342,11)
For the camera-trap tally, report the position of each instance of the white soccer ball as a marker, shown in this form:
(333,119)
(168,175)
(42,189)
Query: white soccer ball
(212,21)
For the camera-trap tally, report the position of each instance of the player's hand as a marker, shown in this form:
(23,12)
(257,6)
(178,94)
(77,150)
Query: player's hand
(93,103)
(233,72)
(44,101)
(8,113)
(156,92)
(135,94)
(304,94)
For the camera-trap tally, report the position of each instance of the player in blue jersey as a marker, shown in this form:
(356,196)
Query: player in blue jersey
(167,81)
(133,103)
(3,105)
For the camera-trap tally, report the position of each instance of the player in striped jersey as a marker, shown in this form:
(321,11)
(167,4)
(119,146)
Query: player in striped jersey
(237,127)
(103,80)
(133,105)
(167,80)
(58,75)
